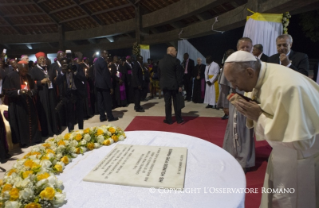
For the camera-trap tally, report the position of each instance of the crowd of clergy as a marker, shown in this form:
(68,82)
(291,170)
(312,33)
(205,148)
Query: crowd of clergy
(43,97)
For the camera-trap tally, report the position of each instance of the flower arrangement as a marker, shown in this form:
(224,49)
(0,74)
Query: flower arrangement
(32,183)
(285,21)
(136,49)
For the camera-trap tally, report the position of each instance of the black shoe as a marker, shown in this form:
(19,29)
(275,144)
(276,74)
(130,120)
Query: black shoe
(168,122)
(181,121)
(114,119)
(209,106)
(225,117)
(140,110)
(103,119)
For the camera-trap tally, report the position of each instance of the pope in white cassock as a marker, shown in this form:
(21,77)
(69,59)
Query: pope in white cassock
(211,77)
(287,117)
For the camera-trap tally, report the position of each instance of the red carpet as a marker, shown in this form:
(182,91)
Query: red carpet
(212,130)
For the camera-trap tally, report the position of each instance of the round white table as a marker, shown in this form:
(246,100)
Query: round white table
(210,171)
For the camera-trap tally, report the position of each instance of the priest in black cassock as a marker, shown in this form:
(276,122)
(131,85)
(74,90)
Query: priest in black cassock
(23,117)
(55,68)
(118,78)
(128,81)
(199,82)
(137,81)
(46,100)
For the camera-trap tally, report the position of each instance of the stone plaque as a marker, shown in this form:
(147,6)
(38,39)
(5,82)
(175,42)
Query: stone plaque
(144,166)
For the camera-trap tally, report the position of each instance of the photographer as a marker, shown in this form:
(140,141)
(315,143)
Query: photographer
(71,79)
(23,119)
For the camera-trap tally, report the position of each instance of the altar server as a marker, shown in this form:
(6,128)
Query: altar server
(286,116)
(211,77)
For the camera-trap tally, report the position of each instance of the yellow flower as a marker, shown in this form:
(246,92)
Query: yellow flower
(26,174)
(106,142)
(14,194)
(61,143)
(1,204)
(99,132)
(29,163)
(45,157)
(77,150)
(46,145)
(50,151)
(36,153)
(67,136)
(112,130)
(59,168)
(1,182)
(10,172)
(6,187)
(27,155)
(78,137)
(48,193)
(65,160)
(86,131)
(90,146)
(43,176)
(35,167)
(32,205)
(115,138)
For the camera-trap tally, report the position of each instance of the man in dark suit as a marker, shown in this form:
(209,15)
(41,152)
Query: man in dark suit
(104,87)
(289,58)
(137,81)
(170,76)
(188,65)
(258,51)
(71,81)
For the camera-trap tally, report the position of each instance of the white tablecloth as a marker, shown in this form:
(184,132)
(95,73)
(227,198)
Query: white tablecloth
(208,167)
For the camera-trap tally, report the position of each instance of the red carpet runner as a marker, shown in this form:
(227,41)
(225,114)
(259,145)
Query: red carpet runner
(212,130)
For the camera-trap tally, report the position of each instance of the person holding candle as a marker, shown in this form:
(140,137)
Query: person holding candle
(23,119)
(46,101)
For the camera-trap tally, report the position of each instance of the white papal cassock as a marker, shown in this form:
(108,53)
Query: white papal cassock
(211,92)
(290,124)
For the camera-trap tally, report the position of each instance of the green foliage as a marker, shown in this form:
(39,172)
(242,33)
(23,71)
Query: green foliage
(309,22)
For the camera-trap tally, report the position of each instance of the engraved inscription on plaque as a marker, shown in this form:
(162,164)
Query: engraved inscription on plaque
(145,166)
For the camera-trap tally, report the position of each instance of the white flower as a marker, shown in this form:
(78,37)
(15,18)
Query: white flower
(111,141)
(83,142)
(74,155)
(17,180)
(26,194)
(59,156)
(61,148)
(24,184)
(73,143)
(121,138)
(50,155)
(87,137)
(12,204)
(46,164)
(109,133)
(42,182)
(100,139)
(97,145)
(59,199)
(83,149)
(59,184)
(52,181)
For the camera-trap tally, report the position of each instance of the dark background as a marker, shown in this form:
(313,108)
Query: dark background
(216,44)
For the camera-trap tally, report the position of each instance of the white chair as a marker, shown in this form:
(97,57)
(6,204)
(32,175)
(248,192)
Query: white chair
(7,127)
